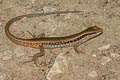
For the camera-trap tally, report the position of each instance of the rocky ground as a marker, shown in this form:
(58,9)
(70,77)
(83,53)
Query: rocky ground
(100,59)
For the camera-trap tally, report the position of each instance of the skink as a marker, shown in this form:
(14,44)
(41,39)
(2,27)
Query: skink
(73,40)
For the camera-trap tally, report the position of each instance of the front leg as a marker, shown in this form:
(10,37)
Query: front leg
(75,47)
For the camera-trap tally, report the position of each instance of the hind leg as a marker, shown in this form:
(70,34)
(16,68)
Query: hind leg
(38,36)
(37,55)
(75,47)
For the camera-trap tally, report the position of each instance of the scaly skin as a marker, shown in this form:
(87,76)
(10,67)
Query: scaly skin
(52,42)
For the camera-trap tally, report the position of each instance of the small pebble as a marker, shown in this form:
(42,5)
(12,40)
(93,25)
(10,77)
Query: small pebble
(111,70)
(5,55)
(94,55)
(104,47)
(34,10)
(92,74)
(114,55)
(105,60)
(1,23)
(19,52)
(33,1)
(49,9)
(2,76)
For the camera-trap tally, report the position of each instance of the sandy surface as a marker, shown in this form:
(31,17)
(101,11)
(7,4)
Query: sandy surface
(101,58)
